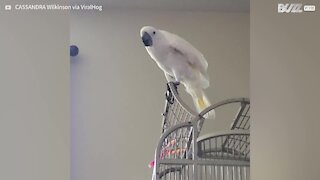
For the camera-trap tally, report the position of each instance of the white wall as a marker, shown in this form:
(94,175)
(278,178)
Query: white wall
(34,95)
(284,93)
(118,91)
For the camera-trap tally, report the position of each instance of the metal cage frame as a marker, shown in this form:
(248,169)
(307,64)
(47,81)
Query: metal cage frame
(182,155)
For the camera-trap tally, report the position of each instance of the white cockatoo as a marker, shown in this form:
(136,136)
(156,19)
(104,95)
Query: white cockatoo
(180,62)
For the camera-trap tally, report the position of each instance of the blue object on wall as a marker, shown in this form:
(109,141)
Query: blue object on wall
(74,50)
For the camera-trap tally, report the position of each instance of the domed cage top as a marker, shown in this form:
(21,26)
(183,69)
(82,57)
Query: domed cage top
(182,154)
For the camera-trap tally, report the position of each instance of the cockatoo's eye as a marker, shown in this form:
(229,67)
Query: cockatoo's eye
(153,32)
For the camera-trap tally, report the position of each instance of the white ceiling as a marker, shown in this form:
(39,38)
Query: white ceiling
(196,5)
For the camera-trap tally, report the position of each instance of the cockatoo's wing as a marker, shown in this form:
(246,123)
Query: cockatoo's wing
(194,57)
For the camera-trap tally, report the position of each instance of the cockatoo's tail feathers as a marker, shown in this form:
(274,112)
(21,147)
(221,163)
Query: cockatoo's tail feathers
(201,104)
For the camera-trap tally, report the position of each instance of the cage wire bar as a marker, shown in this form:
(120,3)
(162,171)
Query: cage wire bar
(182,155)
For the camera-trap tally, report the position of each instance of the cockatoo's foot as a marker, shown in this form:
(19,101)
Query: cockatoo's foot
(176,83)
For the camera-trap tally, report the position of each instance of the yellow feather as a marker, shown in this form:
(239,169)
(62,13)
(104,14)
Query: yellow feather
(201,104)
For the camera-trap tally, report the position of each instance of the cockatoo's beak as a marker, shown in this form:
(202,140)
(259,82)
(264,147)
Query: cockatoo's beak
(147,39)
